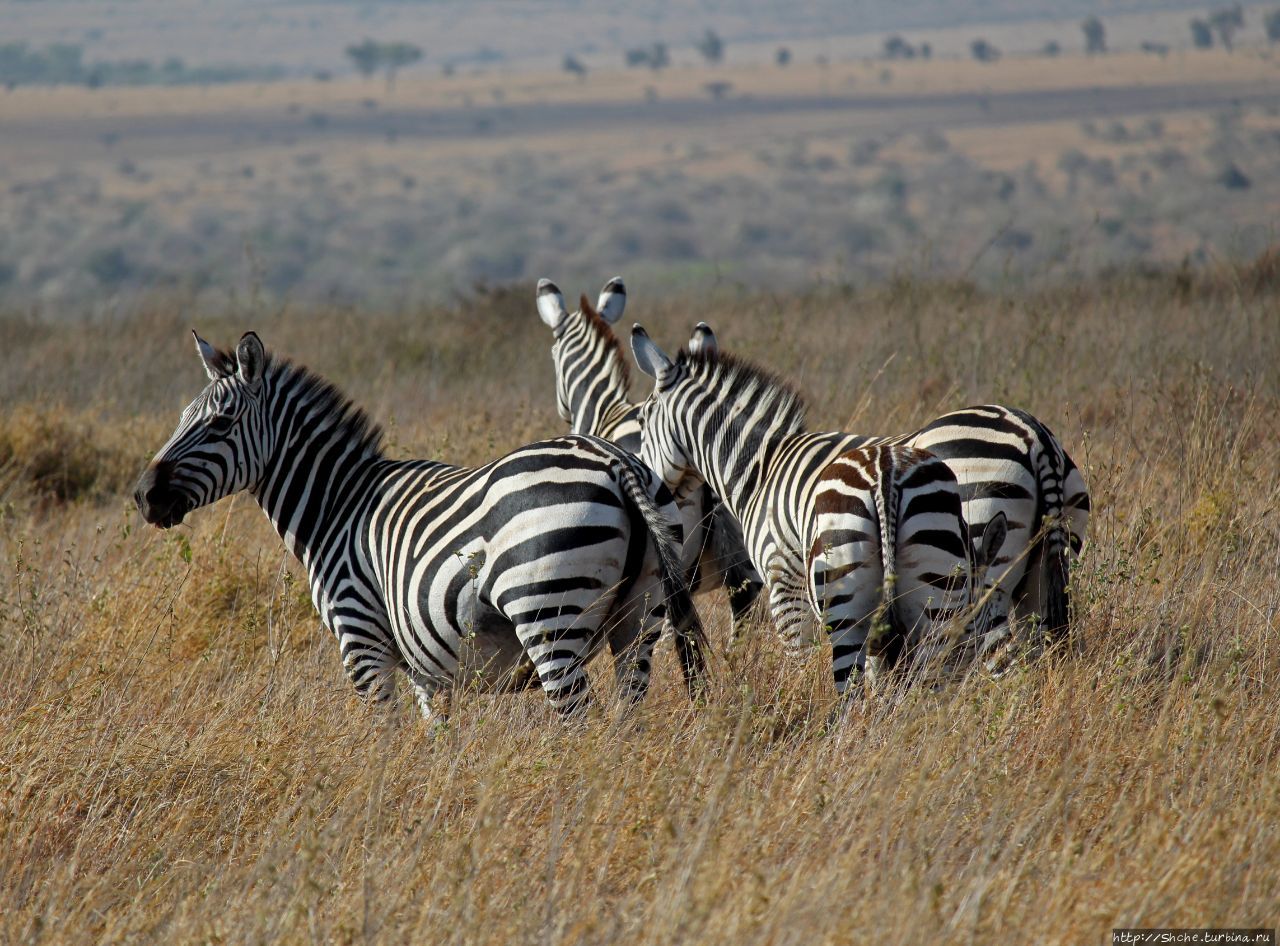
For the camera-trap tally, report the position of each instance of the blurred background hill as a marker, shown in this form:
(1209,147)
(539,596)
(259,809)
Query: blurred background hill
(379,153)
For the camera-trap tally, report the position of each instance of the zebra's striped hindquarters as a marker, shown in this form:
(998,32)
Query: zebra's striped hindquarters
(864,536)
(1007,461)
(888,563)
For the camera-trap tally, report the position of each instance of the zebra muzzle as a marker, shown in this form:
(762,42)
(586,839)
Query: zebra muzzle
(159,503)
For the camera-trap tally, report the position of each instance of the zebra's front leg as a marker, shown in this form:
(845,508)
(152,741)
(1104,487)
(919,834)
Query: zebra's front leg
(742,596)
(370,663)
(426,692)
(793,616)
(560,656)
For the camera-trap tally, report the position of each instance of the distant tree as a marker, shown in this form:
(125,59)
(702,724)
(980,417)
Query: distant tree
(64,62)
(1201,34)
(926,51)
(718,89)
(983,51)
(1095,36)
(1271,22)
(1071,163)
(782,57)
(1225,22)
(895,47)
(1050,48)
(1234,179)
(370,56)
(655,57)
(395,56)
(365,57)
(711,46)
(574,65)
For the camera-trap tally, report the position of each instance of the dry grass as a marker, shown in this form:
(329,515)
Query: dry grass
(182,760)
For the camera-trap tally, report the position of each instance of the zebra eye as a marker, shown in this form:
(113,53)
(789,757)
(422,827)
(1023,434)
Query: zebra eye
(220,423)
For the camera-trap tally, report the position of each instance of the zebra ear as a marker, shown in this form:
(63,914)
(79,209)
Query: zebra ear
(551,305)
(652,360)
(993,537)
(251,358)
(612,301)
(703,341)
(216,364)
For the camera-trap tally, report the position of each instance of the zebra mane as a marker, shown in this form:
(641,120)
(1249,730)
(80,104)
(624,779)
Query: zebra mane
(597,324)
(739,380)
(323,397)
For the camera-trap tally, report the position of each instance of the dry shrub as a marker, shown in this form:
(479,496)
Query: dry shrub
(59,457)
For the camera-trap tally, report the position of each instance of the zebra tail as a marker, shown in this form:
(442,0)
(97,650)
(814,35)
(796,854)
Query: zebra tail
(691,639)
(887,633)
(1056,543)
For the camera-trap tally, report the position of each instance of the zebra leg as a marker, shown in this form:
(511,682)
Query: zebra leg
(370,664)
(850,662)
(743,591)
(792,613)
(425,691)
(560,656)
(632,637)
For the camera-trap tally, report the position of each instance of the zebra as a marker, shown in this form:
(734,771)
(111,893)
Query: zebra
(867,535)
(592,383)
(498,577)
(1007,461)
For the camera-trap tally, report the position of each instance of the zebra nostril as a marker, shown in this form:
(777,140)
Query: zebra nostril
(152,489)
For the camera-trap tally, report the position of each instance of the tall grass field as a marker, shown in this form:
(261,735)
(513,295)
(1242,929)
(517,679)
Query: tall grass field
(183,760)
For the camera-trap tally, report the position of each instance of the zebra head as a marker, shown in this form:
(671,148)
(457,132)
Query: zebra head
(583,344)
(220,443)
(662,444)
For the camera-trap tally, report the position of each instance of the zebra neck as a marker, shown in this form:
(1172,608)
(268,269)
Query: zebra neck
(316,480)
(731,458)
(596,402)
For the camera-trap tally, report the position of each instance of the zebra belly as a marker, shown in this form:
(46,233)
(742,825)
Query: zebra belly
(491,659)
(475,647)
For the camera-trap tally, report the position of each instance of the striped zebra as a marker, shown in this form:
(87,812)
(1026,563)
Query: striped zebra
(866,535)
(592,383)
(495,577)
(1008,462)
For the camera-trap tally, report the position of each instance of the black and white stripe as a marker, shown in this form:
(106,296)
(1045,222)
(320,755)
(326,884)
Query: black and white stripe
(592,395)
(496,577)
(865,535)
(1009,463)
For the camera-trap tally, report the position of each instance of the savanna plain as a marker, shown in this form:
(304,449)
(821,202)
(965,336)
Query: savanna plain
(182,760)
